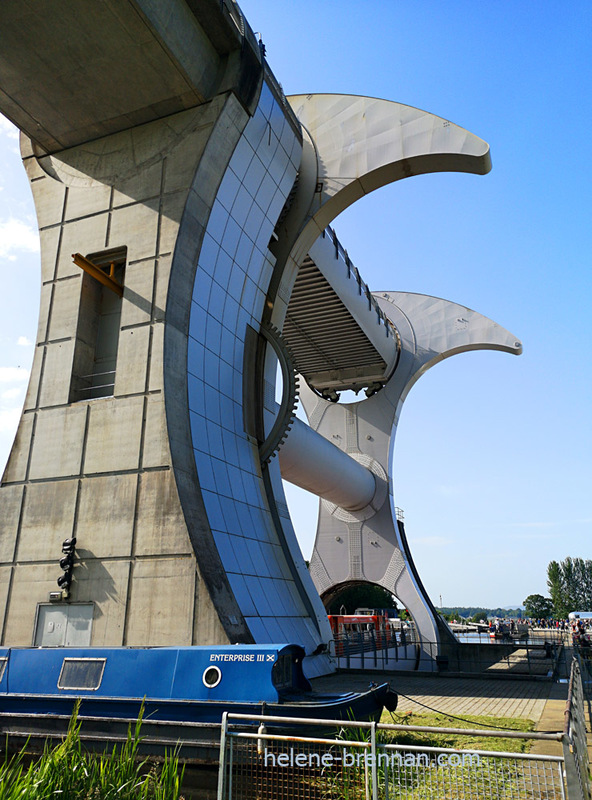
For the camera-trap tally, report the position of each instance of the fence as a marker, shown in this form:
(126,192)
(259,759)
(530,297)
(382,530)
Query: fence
(357,765)
(574,741)
(260,760)
(389,650)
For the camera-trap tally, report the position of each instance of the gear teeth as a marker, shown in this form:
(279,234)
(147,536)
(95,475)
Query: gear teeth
(291,387)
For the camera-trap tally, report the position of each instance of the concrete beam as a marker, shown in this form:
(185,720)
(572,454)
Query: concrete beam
(76,70)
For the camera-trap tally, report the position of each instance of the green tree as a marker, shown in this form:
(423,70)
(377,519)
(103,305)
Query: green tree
(570,585)
(538,606)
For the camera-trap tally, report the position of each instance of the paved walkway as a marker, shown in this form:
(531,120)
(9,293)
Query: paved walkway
(455,695)
(543,702)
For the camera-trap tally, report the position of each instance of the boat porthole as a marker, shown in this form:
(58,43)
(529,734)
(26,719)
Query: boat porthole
(212,677)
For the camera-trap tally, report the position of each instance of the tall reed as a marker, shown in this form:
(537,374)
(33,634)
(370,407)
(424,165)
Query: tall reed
(69,772)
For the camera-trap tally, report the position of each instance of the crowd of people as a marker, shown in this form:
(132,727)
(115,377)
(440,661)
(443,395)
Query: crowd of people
(580,629)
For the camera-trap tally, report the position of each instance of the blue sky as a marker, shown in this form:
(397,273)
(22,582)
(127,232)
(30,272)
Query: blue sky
(492,464)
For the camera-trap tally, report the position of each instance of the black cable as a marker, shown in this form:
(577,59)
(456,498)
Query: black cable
(452,716)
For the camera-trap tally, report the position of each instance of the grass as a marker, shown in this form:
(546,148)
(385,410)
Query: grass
(69,772)
(497,778)
(457,740)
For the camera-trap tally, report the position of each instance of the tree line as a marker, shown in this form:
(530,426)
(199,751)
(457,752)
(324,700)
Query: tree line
(570,589)
(476,613)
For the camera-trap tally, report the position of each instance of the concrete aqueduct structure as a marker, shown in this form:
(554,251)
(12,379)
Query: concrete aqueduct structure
(161,150)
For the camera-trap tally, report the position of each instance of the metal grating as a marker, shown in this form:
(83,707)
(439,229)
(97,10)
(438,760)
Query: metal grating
(323,335)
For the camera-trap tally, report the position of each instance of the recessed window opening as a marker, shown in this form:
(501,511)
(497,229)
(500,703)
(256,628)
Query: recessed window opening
(3,663)
(99,319)
(81,673)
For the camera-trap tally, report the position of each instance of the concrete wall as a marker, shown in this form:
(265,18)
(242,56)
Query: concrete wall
(100,469)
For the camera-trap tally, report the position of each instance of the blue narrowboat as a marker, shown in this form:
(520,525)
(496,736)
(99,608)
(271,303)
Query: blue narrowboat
(186,684)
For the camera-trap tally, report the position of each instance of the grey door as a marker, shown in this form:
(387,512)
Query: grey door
(63,625)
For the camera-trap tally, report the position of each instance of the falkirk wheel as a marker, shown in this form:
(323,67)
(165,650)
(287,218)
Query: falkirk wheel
(186,249)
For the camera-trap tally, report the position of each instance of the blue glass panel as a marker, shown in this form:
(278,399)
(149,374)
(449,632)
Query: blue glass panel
(243,597)
(214,437)
(228,189)
(237,279)
(225,550)
(276,205)
(254,221)
(210,373)
(287,138)
(244,250)
(241,158)
(223,268)
(201,288)
(227,420)
(258,559)
(278,118)
(226,378)
(237,386)
(212,401)
(254,585)
(270,555)
(198,432)
(230,449)
(274,628)
(243,555)
(258,630)
(244,319)
(221,477)
(213,331)
(248,296)
(208,254)
(278,166)
(197,323)
(283,596)
(195,357)
(256,129)
(205,473)
(230,315)
(254,176)
(227,340)
(242,206)
(230,515)
(244,518)
(235,475)
(266,101)
(266,192)
(195,393)
(214,512)
(231,236)
(217,221)
(217,299)
(247,453)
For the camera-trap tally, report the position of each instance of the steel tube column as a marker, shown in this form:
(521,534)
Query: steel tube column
(312,462)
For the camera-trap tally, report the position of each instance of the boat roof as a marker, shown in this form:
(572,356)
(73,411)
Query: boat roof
(242,673)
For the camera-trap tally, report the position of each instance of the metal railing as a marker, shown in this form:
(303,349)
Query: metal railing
(575,748)
(359,763)
(403,650)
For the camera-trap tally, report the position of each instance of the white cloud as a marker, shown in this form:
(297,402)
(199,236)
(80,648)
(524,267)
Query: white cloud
(13,384)
(10,394)
(9,418)
(17,236)
(13,375)
(23,341)
(8,129)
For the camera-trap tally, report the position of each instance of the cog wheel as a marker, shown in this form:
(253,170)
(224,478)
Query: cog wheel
(287,410)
